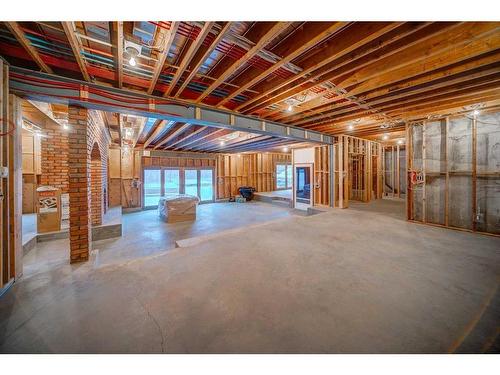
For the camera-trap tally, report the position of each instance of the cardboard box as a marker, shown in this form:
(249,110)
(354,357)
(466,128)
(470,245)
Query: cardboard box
(48,209)
(179,208)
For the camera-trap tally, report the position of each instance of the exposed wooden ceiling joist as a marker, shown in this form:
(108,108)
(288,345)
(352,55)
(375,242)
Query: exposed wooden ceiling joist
(166,38)
(69,30)
(195,45)
(18,33)
(271,32)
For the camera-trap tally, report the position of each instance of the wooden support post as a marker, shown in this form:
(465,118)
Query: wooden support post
(397,171)
(15,188)
(474,173)
(447,176)
(424,204)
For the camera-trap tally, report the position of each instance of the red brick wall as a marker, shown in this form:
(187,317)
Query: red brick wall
(83,134)
(96,187)
(54,156)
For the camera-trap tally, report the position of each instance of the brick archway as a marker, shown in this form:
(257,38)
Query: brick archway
(96,186)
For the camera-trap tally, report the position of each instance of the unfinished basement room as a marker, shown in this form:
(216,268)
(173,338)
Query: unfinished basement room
(250,187)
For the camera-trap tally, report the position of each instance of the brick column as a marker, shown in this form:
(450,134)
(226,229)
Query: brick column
(54,153)
(96,188)
(79,184)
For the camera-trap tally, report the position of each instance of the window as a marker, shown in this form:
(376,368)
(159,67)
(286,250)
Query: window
(162,182)
(283,176)
(191,182)
(206,185)
(152,186)
(172,181)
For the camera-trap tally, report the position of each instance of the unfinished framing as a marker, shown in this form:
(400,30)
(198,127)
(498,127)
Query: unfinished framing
(394,171)
(454,172)
(255,169)
(358,170)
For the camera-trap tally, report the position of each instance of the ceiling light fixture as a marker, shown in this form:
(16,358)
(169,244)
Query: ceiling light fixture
(401,141)
(290,108)
(132,61)
(350,127)
(476,112)
(222,143)
(285,149)
(385,137)
(65,127)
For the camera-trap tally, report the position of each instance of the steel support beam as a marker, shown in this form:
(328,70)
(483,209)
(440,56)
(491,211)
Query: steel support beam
(54,89)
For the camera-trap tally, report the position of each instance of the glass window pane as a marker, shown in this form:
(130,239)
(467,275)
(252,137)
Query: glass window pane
(152,187)
(280,176)
(191,182)
(172,185)
(289,176)
(206,185)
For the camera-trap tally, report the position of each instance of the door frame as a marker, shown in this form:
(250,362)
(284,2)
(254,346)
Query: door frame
(300,205)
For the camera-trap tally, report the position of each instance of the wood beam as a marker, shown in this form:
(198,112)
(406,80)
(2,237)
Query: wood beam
(401,88)
(118,47)
(346,42)
(167,39)
(194,131)
(69,30)
(158,128)
(140,130)
(217,133)
(189,56)
(277,28)
(450,84)
(300,46)
(18,33)
(399,47)
(171,135)
(203,58)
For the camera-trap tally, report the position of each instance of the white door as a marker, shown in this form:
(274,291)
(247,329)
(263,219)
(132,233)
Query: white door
(303,186)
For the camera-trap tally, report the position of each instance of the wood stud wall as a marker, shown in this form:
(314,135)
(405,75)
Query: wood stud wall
(10,201)
(256,169)
(322,176)
(454,172)
(358,170)
(394,171)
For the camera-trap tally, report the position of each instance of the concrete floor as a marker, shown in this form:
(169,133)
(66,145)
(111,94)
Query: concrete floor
(144,233)
(344,281)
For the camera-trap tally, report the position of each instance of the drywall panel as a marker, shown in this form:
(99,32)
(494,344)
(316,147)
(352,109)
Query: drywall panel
(418,207)
(460,201)
(460,144)
(488,205)
(435,146)
(417,137)
(303,155)
(488,143)
(435,199)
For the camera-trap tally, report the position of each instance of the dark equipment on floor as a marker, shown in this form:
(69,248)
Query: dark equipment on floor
(246,192)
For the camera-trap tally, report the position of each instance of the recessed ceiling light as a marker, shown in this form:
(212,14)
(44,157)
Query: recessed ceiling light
(350,127)
(285,149)
(290,108)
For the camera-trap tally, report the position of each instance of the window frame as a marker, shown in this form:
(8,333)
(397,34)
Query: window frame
(287,177)
(181,182)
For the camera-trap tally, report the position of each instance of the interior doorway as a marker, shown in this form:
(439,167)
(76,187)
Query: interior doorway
(303,193)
